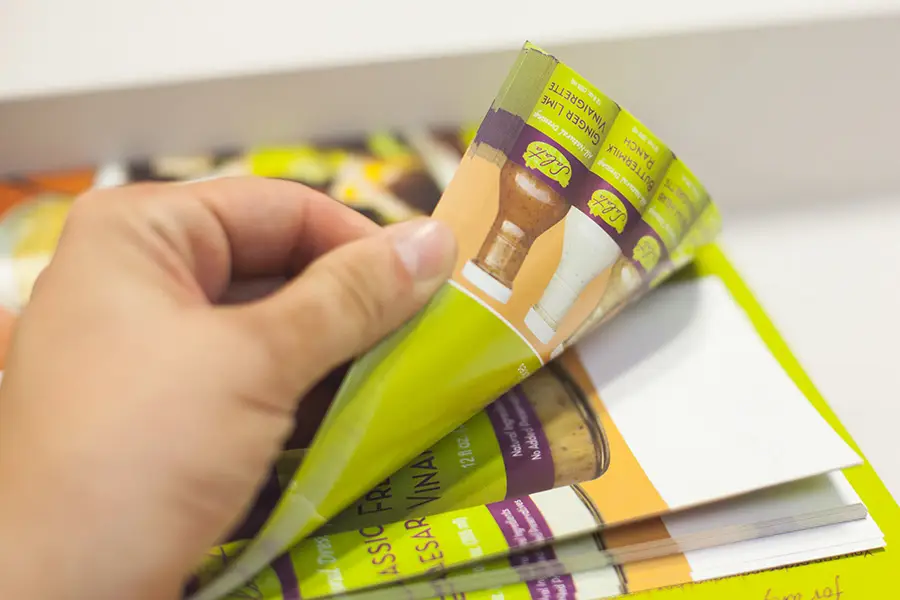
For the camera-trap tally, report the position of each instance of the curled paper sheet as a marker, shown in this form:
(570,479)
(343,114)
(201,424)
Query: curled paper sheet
(541,434)
(558,186)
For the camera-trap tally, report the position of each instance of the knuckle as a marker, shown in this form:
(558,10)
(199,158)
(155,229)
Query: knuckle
(354,296)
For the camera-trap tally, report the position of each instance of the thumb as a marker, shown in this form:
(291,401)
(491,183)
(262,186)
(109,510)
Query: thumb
(350,298)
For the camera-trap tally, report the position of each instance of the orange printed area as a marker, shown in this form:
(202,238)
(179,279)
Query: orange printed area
(646,574)
(16,190)
(657,573)
(469,206)
(624,493)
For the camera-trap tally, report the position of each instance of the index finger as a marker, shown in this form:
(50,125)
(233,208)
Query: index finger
(276,227)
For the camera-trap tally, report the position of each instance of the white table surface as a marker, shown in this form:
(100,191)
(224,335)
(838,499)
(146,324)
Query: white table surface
(829,277)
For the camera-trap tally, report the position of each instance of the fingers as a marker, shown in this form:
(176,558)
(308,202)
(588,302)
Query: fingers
(248,290)
(213,232)
(275,226)
(348,300)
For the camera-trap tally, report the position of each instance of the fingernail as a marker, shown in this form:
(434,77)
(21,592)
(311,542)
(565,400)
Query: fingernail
(426,247)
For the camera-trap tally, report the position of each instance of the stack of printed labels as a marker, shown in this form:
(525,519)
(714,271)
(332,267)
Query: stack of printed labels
(671,447)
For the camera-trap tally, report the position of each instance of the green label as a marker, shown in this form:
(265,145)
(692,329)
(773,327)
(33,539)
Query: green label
(674,205)
(702,232)
(216,560)
(518,591)
(633,160)
(464,469)
(647,252)
(573,113)
(474,539)
(347,561)
(691,188)
(543,157)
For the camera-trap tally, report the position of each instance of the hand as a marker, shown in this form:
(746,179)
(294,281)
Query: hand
(138,414)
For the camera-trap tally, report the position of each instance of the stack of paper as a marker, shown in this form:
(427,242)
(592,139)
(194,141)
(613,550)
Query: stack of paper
(711,463)
(670,447)
(694,453)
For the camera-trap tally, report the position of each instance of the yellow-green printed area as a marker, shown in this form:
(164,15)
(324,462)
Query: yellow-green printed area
(632,160)
(573,113)
(412,389)
(465,468)
(347,561)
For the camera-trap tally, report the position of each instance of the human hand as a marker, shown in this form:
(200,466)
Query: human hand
(138,414)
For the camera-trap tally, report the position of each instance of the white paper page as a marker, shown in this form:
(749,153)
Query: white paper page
(701,402)
(821,493)
(804,497)
(786,549)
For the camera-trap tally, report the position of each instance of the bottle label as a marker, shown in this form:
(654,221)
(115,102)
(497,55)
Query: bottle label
(667,220)
(607,207)
(547,160)
(351,560)
(501,452)
(632,160)
(574,113)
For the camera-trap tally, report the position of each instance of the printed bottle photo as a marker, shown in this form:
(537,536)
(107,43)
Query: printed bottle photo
(613,196)
(540,171)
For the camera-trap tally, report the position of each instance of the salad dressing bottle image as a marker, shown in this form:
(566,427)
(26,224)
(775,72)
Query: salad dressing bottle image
(616,192)
(528,208)
(541,171)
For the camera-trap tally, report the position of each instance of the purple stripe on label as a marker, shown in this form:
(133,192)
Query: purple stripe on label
(634,237)
(569,171)
(287,577)
(523,444)
(588,201)
(535,557)
(520,521)
(561,587)
(499,129)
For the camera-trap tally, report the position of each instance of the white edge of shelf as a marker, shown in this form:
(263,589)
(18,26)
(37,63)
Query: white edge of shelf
(102,45)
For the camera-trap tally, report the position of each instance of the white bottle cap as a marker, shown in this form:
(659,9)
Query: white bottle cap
(486,283)
(539,326)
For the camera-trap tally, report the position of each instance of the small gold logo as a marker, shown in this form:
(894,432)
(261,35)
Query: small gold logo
(647,252)
(607,206)
(547,159)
